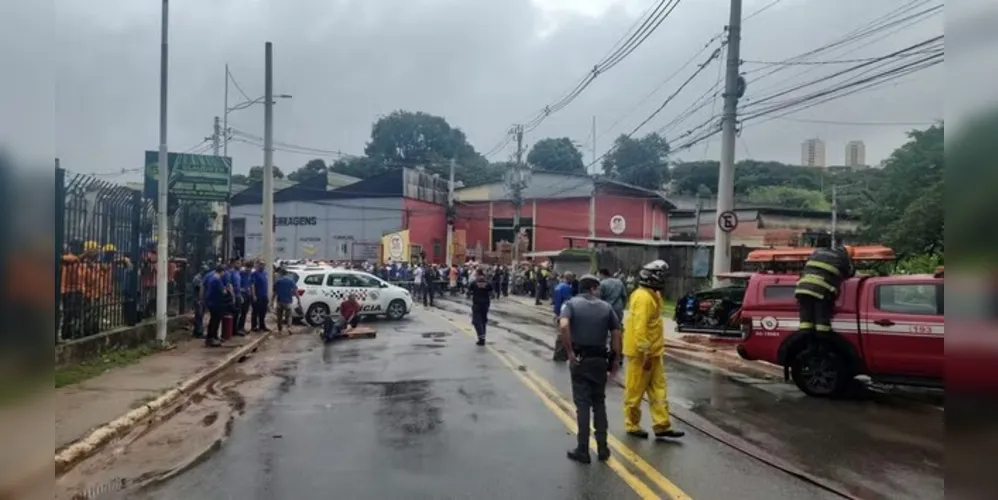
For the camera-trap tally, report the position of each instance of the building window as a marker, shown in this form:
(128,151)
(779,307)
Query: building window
(437,250)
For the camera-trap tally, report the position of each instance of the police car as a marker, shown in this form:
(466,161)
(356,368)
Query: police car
(322,290)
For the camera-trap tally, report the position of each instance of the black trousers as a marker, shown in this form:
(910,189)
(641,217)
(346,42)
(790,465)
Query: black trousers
(259,313)
(589,379)
(428,291)
(480,318)
(815,314)
(215,314)
(244,311)
(560,353)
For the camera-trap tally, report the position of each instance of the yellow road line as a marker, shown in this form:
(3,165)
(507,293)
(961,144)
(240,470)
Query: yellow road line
(552,400)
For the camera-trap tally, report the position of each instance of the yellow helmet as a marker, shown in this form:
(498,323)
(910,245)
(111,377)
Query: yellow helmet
(110,248)
(90,246)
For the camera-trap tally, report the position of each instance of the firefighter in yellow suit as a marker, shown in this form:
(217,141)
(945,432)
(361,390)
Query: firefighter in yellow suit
(644,348)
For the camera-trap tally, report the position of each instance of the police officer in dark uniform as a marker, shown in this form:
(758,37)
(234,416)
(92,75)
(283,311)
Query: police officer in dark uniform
(585,323)
(819,285)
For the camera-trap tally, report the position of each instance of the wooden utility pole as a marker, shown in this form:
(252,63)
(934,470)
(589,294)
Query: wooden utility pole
(517,189)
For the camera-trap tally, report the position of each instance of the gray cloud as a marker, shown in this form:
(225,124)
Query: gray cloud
(482,64)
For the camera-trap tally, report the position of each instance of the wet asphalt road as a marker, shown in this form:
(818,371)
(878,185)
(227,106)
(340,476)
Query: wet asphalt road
(875,445)
(421,412)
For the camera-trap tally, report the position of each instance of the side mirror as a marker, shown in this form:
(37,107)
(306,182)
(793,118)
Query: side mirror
(383,284)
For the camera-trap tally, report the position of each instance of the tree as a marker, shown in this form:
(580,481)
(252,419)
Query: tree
(556,155)
(313,172)
(411,139)
(256,174)
(907,209)
(360,167)
(789,197)
(641,162)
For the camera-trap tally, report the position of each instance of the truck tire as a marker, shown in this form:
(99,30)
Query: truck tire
(820,370)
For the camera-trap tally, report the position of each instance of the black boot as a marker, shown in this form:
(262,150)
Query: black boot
(640,433)
(670,433)
(581,456)
(602,452)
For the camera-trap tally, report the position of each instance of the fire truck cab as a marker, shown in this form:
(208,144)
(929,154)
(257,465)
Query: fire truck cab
(889,328)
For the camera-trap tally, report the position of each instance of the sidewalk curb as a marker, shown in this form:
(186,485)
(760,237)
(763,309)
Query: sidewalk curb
(79,450)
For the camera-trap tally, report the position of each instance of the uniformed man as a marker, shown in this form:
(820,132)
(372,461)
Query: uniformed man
(585,323)
(644,350)
(819,285)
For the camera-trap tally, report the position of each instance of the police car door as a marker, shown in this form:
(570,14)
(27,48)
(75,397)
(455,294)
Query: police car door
(369,294)
(336,290)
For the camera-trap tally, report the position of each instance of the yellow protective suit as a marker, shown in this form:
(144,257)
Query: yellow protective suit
(645,340)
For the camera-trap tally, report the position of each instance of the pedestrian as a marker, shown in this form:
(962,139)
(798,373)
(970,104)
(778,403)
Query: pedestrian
(644,349)
(418,278)
(562,293)
(613,292)
(234,285)
(245,298)
(431,279)
(504,281)
(285,294)
(216,300)
(197,285)
(258,293)
(586,325)
(481,299)
(819,285)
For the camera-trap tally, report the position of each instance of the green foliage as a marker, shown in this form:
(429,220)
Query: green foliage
(919,264)
(313,172)
(641,162)
(417,139)
(789,197)
(907,209)
(256,174)
(556,155)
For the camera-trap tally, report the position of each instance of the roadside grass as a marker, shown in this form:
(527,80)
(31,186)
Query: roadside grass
(74,374)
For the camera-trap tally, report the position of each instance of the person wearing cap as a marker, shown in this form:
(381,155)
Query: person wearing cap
(819,285)
(585,325)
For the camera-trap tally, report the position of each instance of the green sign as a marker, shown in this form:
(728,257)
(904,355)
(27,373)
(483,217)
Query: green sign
(192,177)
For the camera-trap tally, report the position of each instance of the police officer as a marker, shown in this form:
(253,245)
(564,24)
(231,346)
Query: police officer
(585,323)
(819,285)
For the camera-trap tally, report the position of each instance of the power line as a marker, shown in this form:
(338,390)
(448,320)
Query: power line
(859,123)
(761,10)
(236,85)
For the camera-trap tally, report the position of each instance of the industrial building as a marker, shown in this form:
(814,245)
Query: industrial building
(347,223)
(555,206)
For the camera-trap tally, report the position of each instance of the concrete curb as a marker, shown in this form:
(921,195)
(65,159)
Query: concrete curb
(86,447)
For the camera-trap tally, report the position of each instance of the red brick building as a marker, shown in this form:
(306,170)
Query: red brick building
(557,205)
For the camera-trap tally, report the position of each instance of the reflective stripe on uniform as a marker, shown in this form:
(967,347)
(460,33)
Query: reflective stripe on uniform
(823,266)
(817,280)
(812,293)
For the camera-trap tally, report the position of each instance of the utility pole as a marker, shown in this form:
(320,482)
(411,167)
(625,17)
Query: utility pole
(227,228)
(696,226)
(517,193)
(594,143)
(225,116)
(268,162)
(216,137)
(733,88)
(450,214)
(163,189)
(835,212)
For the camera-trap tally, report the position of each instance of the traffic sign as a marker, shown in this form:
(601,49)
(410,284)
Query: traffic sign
(727,221)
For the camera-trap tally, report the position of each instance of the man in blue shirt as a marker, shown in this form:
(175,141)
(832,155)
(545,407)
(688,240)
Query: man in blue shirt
(244,297)
(216,301)
(562,293)
(258,293)
(285,294)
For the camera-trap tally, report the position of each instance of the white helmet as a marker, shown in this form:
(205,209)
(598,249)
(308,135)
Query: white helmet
(652,274)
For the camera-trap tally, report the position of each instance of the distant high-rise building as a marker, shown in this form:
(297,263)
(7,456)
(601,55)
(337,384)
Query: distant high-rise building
(812,153)
(855,154)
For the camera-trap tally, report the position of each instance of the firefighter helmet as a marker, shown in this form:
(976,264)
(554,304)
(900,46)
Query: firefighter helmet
(652,275)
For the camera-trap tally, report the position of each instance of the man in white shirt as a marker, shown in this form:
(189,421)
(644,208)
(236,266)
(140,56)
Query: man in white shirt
(417,281)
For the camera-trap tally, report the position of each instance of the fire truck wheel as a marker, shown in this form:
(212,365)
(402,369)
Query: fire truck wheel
(820,370)
(316,314)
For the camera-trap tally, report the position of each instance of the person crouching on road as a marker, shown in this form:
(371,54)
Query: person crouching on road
(481,299)
(562,293)
(586,324)
(350,312)
(285,294)
(819,285)
(644,349)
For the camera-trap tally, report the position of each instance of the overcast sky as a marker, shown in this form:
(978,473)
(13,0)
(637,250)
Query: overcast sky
(482,64)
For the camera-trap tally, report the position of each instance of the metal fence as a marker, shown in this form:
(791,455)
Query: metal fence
(106,278)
